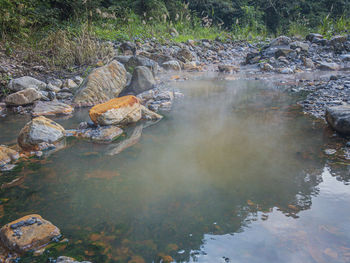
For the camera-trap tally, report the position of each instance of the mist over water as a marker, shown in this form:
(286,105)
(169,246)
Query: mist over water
(234,173)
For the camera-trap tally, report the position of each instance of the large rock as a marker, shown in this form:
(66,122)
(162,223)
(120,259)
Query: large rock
(103,134)
(137,61)
(39,132)
(51,108)
(28,233)
(338,118)
(123,110)
(101,85)
(23,97)
(142,80)
(7,155)
(25,83)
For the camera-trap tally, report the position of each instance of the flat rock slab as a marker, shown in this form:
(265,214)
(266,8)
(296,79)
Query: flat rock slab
(338,118)
(51,108)
(103,134)
(23,97)
(28,233)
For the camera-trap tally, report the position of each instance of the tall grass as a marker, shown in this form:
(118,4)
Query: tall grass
(134,27)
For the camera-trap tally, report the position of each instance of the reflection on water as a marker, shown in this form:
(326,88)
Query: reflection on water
(233,174)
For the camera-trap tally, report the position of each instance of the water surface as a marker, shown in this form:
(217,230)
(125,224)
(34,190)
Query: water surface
(235,173)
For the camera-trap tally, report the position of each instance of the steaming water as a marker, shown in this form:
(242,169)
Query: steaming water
(235,173)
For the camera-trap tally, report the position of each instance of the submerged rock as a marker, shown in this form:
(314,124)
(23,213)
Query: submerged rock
(28,233)
(25,83)
(100,134)
(142,80)
(23,97)
(338,118)
(50,108)
(39,133)
(7,155)
(101,85)
(64,259)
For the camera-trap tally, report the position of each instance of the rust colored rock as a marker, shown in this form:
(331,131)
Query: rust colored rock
(101,85)
(28,233)
(121,110)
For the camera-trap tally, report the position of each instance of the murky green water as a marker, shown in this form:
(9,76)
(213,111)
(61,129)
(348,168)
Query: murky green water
(235,173)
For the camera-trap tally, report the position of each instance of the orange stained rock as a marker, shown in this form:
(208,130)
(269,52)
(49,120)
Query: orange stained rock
(117,103)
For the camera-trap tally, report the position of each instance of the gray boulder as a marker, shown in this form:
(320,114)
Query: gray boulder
(338,118)
(25,83)
(142,80)
(137,61)
(23,97)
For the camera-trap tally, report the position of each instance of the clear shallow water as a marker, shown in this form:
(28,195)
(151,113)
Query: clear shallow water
(235,173)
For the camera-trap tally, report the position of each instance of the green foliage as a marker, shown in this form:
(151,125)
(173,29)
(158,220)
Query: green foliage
(330,27)
(133,19)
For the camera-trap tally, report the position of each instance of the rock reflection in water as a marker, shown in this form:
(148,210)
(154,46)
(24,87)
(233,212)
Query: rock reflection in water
(229,156)
(117,148)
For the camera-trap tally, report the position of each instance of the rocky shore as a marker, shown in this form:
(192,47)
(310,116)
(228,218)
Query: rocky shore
(129,89)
